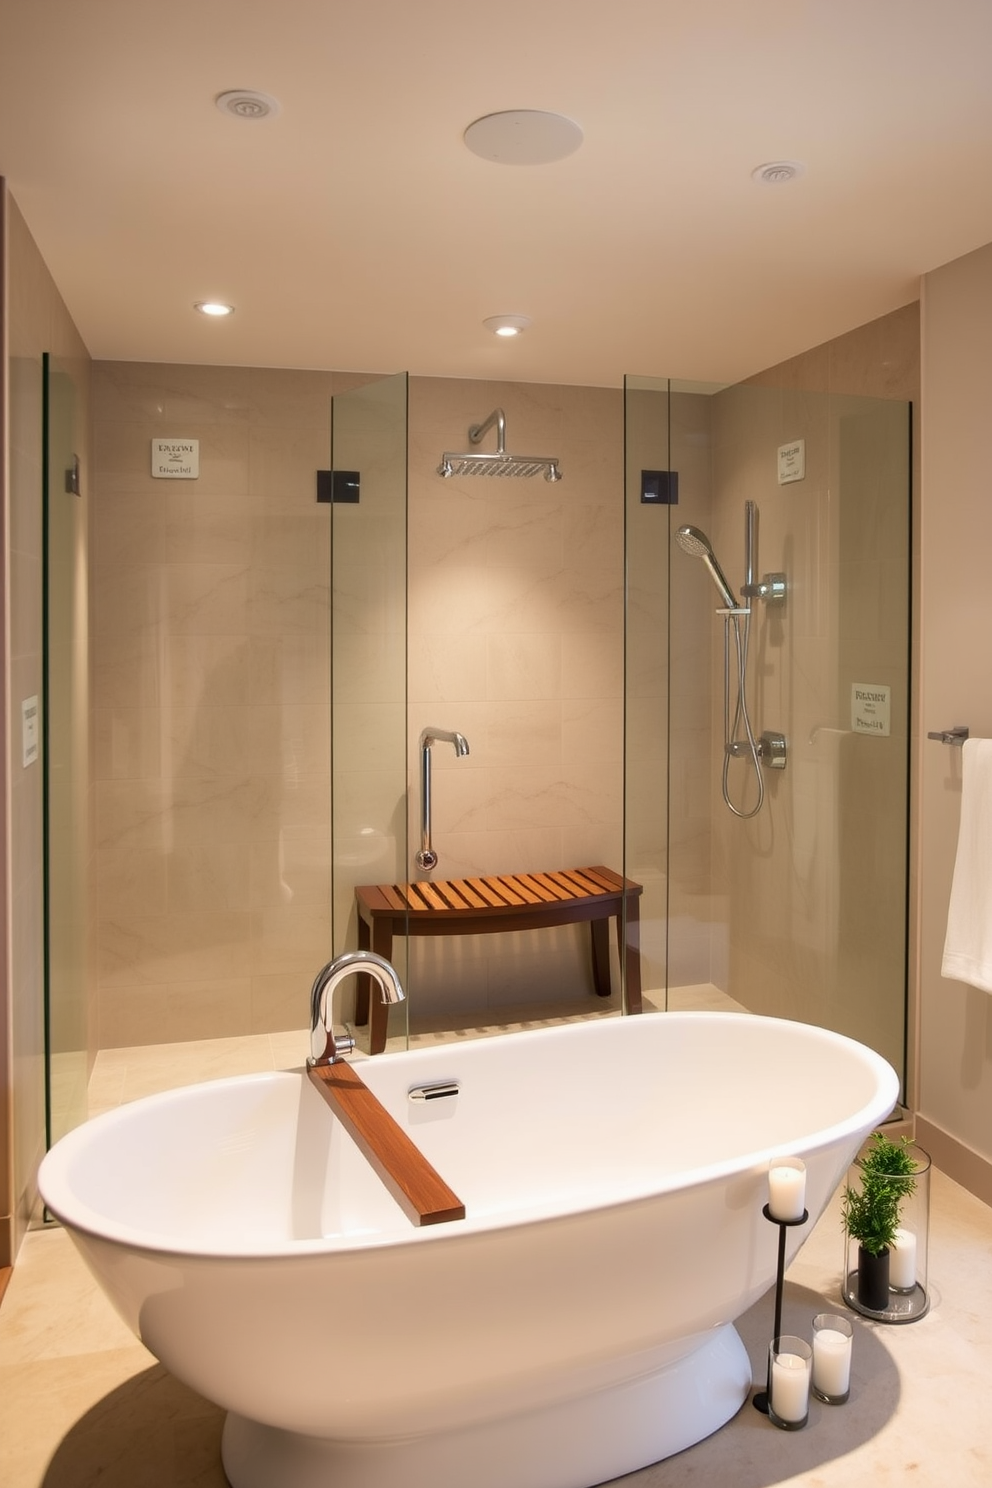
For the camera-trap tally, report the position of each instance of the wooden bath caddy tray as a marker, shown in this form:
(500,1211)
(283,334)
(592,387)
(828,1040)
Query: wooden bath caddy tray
(501,902)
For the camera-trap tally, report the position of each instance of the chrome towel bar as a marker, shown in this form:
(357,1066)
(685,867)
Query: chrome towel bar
(955,735)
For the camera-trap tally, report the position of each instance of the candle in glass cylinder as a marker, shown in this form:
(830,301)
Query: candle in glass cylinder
(832,1362)
(787,1189)
(790,1387)
(902,1261)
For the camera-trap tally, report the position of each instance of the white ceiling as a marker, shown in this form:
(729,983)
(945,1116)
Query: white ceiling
(355,230)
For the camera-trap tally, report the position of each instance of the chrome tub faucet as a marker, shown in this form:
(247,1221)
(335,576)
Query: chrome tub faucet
(326,1046)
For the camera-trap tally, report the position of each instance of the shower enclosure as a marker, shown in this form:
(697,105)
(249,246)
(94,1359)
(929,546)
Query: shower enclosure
(763,766)
(797,909)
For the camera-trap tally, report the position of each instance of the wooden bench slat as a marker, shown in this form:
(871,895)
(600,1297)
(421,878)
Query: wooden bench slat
(582,888)
(430,893)
(611,882)
(492,896)
(514,884)
(457,895)
(414,897)
(547,881)
(531,881)
(506,887)
(388,892)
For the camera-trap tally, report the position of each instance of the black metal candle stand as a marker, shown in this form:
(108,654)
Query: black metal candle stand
(760,1401)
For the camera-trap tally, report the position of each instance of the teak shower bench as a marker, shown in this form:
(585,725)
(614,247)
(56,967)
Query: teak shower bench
(502,902)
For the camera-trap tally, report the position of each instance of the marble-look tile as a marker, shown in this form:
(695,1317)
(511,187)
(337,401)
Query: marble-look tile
(148,393)
(592,664)
(443,668)
(123,454)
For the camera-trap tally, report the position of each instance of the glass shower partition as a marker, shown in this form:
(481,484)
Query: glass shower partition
(799,911)
(65,729)
(368,655)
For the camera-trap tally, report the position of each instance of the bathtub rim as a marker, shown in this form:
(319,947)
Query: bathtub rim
(76,1215)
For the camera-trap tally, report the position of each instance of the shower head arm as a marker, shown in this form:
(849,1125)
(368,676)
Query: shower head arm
(497,417)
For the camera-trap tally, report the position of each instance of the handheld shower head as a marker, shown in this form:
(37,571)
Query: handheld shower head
(694,542)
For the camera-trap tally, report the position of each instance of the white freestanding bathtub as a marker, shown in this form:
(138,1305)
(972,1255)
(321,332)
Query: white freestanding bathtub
(576,1325)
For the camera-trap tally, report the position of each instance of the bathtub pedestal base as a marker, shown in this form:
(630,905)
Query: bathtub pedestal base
(575,1444)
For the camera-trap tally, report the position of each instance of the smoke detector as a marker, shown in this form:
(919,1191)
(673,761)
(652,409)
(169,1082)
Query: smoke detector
(777,172)
(245,103)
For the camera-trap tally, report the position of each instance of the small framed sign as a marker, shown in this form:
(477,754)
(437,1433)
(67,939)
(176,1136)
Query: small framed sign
(871,708)
(175,459)
(792,462)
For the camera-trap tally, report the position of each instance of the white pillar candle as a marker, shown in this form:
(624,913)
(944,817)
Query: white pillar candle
(831,1362)
(902,1261)
(790,1387)
(787,1190)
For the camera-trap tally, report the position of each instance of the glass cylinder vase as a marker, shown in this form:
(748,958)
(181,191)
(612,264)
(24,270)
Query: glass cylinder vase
(906,1296)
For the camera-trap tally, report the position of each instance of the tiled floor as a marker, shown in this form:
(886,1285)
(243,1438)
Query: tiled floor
(83,1404)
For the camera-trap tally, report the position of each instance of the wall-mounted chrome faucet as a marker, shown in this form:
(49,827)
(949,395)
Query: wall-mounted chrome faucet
(326,1046)
(427,857)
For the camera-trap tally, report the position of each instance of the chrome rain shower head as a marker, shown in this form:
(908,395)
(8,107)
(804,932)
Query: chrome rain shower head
(499,464)
(694,542)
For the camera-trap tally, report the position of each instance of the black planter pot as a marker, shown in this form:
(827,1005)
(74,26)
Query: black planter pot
(873,1279)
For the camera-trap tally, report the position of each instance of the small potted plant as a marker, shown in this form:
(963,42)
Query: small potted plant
(871,1213)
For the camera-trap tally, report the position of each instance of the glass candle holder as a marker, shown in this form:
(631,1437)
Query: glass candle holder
(833,1337)
(789,1364)
(901,1293)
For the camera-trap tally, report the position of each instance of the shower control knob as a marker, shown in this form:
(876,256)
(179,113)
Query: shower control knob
(773,750)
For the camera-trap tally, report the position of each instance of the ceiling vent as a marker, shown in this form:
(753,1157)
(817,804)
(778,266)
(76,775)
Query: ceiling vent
(245,103)
(777,172)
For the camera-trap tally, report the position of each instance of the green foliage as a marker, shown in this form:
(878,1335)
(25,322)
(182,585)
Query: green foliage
(871,1212)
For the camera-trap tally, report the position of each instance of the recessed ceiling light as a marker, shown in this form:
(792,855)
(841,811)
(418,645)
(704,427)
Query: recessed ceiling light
(214,308)
(506,325)
(523,137)
(777,172)
(246,103)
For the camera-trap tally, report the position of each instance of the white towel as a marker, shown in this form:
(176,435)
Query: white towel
(968,947)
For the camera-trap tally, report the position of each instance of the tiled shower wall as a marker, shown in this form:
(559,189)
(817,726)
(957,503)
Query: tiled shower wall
(211,632)
(211,692)
(516,640)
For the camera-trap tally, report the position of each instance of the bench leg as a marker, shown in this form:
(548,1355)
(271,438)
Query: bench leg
(632,956)
(601,956)
(378,1011)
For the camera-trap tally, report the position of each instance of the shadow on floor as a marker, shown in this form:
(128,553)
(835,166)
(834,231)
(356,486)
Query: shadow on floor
(153,1432)
(749,1451)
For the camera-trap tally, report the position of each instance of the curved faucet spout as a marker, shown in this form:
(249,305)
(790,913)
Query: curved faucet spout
(427,857)
(431,736)
(326,1047)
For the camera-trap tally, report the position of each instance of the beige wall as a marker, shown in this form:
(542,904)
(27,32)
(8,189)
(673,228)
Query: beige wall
(37,321)
(955,1094)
